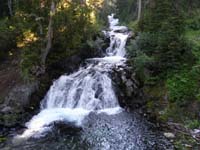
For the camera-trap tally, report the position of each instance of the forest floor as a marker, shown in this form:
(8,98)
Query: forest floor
(173,121)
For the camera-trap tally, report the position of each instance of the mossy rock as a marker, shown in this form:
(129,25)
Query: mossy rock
(9,120)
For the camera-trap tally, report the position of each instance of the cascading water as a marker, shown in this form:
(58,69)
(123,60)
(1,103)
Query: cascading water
(72,97)
(87,99)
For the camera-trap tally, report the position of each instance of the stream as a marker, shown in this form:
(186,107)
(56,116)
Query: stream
(81,111)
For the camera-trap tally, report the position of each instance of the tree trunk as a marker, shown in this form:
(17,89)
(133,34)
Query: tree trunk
(38,21)
(49,35)
(9,2)
(139,9)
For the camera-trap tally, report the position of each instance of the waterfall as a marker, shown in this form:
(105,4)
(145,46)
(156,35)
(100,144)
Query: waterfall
(90,89)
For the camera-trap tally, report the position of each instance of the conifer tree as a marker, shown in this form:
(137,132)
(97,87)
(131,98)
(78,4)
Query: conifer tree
(163,26)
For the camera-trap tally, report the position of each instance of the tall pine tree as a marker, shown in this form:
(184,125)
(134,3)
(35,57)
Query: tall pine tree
(163,25)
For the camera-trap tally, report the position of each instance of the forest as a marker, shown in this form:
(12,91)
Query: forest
(54,51)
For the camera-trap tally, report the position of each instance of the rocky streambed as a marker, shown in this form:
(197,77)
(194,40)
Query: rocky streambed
(125,131)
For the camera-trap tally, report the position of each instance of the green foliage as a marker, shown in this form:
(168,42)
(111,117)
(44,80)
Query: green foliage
(2,139)
(30,60)
(108,7)
(7,37)
(193,124)
(4,9)
(194,38)
(133,25)
(139,60)
(183,86)
(182,140)
(164,28)
(162,39)
(193,23)
(126,10)
(73,26)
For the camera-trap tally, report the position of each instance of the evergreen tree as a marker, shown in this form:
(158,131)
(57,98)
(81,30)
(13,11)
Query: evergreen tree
(163,28)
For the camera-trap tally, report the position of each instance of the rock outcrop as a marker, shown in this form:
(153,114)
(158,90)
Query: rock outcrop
(128,88)
(18,99)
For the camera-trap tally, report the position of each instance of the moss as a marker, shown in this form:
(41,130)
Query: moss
(157,90)
(133,25)
(150,104)
(193,36)
(193,124)
(2,139)
(158,103)
(165,111)
(185,142)
(9,119)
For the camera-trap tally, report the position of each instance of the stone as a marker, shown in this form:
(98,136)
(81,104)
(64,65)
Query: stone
(188,146)
(6,109)
(124,80)
(197,131)
(19,97)
(169,135)
(129,83)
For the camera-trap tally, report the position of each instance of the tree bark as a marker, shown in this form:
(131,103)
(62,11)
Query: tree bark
(38,21)
(139,9)
(9,2)
(49,35)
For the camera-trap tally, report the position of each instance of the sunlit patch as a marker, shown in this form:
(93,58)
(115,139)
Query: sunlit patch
(62,29)
(63,4)
(94,3)
(28,37)
(11,27)
(10,53)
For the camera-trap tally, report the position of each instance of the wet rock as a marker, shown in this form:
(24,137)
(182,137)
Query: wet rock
(169,135)
(13,109)
(188,146)
(6,109)
(123,77)
(9,120)
(196,133)
(66,127)
(132,35)
(19,97)
(129,83)
(128,88)
(106,132)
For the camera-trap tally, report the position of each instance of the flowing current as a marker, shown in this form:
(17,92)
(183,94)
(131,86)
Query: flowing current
(72,97)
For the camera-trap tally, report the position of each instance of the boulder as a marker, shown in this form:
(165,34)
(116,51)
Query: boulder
(12,111)
(127,87)
(169,135)
(20,96)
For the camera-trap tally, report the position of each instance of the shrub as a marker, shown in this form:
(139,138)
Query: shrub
(7,38)
(193,23)
(30,60)
(184,86)
(193,124)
